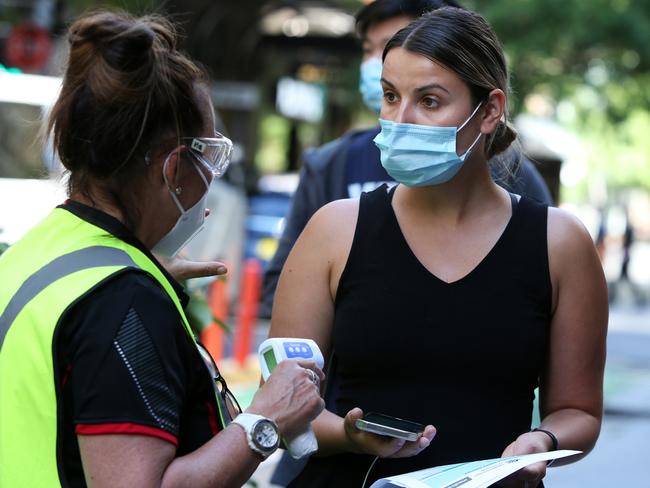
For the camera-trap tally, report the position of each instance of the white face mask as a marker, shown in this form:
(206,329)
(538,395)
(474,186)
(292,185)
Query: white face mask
(188,225)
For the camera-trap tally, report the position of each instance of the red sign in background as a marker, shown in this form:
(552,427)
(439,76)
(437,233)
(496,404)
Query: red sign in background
(28,47)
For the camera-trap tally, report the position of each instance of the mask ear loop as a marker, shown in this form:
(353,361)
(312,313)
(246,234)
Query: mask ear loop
(469,118)
(197,167)
(176,192)
(198,170)
(172,192)
(469,149)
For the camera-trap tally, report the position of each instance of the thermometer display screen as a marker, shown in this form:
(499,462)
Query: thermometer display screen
(269,357)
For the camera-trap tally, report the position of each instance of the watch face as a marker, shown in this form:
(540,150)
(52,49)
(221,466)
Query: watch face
(265,435)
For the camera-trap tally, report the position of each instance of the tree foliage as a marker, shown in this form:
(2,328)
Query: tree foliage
(592,56)
(559,46)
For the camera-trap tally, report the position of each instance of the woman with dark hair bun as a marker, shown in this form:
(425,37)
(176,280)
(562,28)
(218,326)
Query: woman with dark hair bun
(101,380)
(446,299)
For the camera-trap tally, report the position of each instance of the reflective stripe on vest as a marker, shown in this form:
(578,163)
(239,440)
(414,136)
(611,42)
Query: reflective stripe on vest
(57,269)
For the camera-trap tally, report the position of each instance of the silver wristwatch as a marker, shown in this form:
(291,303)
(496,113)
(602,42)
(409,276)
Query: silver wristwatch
(261,433)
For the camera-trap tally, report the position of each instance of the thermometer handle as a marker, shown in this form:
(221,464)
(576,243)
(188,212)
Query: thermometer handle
(303,444)
(272,352)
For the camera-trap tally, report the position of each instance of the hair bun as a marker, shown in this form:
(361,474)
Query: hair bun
(125,91)
(130,50)
(504,135)
(124,43)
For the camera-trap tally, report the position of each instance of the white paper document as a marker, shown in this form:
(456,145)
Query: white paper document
(475,474)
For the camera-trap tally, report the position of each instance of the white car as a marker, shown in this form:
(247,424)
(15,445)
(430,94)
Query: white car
(31,181)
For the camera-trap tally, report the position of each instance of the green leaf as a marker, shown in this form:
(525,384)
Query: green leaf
(199,314)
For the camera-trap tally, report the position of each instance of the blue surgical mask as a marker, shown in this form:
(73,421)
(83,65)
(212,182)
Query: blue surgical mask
(370,84)
(421,155)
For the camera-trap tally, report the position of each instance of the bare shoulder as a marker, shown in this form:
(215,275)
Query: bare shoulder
(304,300)
(566,233)
(334,222)
(564,226)
(338,211)
(326,239)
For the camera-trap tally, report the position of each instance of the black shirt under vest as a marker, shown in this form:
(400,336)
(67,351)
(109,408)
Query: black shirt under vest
(124,364)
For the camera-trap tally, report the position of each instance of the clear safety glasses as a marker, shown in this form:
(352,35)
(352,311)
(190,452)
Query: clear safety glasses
(212,152)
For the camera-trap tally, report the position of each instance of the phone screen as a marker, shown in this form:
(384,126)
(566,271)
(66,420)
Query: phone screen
(394,422)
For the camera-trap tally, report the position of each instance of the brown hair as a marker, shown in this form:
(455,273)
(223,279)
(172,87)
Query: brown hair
(126,87)
(464,42)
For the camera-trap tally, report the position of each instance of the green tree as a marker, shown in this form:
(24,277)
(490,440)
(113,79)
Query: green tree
(592,57)
(559,46)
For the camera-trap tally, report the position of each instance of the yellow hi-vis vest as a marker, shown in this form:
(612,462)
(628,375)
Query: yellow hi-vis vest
(57,263)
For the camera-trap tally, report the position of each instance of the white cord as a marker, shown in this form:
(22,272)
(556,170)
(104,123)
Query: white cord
(363,485)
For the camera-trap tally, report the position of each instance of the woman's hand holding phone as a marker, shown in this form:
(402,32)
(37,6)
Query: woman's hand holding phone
(381,445)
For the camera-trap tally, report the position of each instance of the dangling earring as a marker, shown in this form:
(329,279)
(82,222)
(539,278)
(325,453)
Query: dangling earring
(178,190)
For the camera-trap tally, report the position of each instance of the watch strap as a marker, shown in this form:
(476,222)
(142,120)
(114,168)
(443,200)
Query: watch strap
(247,421)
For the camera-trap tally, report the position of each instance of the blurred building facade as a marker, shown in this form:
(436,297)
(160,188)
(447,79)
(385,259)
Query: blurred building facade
(289,58)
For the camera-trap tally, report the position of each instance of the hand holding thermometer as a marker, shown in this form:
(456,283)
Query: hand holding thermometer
(277,349)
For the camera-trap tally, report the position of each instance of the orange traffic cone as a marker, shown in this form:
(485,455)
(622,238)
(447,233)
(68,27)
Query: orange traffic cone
(213,335)
(249,296)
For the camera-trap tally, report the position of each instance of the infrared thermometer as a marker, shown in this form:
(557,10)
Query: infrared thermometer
(271,353)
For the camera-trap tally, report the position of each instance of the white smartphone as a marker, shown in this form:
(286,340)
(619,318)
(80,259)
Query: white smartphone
(381,424)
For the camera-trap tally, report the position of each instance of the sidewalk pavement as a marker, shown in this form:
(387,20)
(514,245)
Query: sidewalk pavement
(620,458)
(630,319)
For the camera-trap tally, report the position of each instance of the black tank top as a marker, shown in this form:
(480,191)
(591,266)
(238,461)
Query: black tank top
(464,356)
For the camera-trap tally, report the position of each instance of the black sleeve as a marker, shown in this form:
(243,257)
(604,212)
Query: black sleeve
(528,182)
(517,174)
(124,345)
(304,204)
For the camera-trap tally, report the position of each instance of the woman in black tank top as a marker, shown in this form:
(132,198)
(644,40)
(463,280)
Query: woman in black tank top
(445,300)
